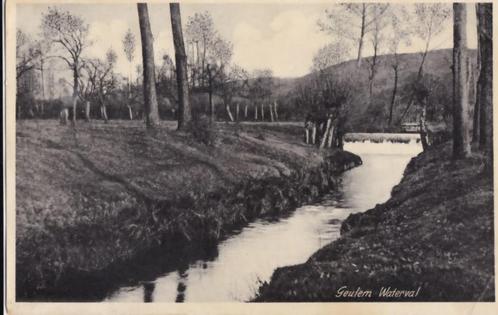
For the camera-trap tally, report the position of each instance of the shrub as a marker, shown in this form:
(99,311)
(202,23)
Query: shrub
(203,131)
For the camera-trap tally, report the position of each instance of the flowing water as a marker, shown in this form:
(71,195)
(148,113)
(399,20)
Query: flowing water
(250,256)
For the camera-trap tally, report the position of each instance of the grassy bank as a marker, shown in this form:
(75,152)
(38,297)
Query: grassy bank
(435,233)
(95,197)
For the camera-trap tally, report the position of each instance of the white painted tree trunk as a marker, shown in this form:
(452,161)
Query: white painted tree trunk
(313,135)
(87,111)
(64,115)
(130,112)
(275,108)
(326,133)
(229,112)
(331,136)
(103,112)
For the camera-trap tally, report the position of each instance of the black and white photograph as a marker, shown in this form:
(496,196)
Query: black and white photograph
(251,152)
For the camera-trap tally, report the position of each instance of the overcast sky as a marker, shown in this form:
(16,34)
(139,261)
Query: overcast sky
(283,37)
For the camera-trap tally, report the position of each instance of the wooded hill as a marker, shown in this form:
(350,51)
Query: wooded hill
(372,115)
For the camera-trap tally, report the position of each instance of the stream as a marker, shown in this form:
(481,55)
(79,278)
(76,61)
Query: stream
(244,259)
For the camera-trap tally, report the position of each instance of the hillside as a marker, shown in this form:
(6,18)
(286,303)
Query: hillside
(92,198)
(434,237)
(372,116)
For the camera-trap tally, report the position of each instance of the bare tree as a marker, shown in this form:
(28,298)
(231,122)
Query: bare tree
(485,81)
(217,59)
(149,77)
(184,111)
(461,142)
(100,82)
(329,55)
(428,23)
(353,21)
(201,35)
(70,33)
(129,44)
(43,49)
(377,38)
(26,53)
(400,33)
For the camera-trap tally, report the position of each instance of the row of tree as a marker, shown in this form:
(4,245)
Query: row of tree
(207,70)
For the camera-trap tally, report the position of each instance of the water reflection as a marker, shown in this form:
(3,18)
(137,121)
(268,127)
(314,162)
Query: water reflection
(148,291)
(233,270)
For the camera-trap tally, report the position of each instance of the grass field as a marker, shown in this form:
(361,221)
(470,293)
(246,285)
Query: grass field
(100,193)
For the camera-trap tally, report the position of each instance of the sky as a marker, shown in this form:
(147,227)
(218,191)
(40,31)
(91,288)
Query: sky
(282,37)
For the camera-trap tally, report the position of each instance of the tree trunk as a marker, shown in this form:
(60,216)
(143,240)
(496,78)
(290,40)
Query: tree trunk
(75,91)
(212,109)
(326,133)
(373,69)
(271,112)
(212,112)
(229,112)
(419,77)
(130,112)
(477,111)
(262,112)
(331,136)
(393,97)
(245,111)
(276,112)
(149,80)
(255,112)
(185,114)
(103,109)
(42,77)
(362,35)
(237,108)
(461,143)
(87,111)
(485,13)
(423,127)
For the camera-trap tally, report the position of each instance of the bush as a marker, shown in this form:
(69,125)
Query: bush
(203,131)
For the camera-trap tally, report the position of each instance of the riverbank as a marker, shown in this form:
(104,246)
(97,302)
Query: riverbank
(433,240)
(92,199)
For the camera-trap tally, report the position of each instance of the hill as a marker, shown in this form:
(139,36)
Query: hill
(372,115)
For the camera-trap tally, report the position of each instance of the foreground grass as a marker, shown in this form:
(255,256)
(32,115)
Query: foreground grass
(100,194)
(436,233)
